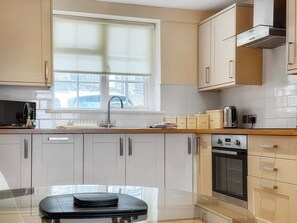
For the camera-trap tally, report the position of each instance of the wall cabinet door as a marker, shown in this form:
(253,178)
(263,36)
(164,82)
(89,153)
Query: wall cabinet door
(204,44)
(204,165)
(291,36)
(25,44)
(145,160)
(15,160)
(272,201)
(229,65)
(223,50)
(179,162)
(57,159)
(104,159)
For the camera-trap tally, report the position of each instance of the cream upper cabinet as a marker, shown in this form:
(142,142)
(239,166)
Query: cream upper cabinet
(204,55)
(25,42)
(291,37)
(221,63)
(223,50)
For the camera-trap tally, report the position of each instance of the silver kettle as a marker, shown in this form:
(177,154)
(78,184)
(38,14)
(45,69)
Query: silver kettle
(230,117)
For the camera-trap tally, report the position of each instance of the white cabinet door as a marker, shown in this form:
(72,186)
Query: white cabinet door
(104,159)
(15,160)
(179,162)
(204,44)
(291,36)
(145,160)
(57,159)
(25,42)
(223,50)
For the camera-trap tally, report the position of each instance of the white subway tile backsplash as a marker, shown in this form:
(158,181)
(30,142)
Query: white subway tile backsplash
(275,101)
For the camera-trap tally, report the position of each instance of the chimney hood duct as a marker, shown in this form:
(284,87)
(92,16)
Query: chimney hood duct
(269,25)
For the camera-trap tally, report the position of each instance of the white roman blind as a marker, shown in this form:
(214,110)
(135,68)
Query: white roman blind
(100,46)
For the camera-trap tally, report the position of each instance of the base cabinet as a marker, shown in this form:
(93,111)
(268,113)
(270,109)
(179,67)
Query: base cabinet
(272,201)
(15,160)
(104,159)
(132,159)
(204,165)
(179,151)
(57,159)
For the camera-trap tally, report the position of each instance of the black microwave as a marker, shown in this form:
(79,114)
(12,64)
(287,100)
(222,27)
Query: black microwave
(16,113)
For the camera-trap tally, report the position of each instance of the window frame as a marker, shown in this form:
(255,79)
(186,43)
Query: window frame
(152,94)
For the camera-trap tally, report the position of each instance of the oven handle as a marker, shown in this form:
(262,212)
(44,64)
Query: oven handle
(224,152)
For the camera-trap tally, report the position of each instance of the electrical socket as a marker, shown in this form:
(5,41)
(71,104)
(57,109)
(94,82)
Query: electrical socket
(249,118)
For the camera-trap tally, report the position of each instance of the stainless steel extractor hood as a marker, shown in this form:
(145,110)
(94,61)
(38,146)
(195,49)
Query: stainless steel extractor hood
(269,25)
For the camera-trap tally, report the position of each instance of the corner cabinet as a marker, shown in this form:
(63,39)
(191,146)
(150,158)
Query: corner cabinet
(25,43)
(57,159)
(291,36)
(15,160)
(221,63)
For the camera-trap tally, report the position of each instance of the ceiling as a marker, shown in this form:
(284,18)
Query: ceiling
(182,4)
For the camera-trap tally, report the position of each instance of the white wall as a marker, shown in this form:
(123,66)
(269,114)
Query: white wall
(274,102)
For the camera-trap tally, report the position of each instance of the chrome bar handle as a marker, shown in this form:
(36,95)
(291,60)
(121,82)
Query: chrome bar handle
(26,149)
(189,145)
(290,55)
(58,138)
(204,218)
(207,75)
(197,152)
(130,146)
(268,146)
(121,147)
(224,152)
(46,70)
(268,186)
(230,68)
(268,168)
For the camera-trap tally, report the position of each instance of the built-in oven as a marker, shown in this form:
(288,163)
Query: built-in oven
(229,166)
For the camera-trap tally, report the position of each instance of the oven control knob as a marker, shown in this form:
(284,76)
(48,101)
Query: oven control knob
(237,142)
(220,141)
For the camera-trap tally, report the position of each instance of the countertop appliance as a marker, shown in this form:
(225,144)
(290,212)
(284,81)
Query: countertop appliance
(230,117)
(229,167)
(17,114)
(269,25)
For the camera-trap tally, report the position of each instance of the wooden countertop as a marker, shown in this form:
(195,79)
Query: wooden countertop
(80,130)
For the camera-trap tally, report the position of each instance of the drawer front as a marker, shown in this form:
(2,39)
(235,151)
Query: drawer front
(273,168)
(57,138)
(284,147)
(272,205)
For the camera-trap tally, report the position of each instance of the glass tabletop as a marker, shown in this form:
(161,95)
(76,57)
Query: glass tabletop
(22,205)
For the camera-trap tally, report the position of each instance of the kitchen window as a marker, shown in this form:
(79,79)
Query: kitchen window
(95,59)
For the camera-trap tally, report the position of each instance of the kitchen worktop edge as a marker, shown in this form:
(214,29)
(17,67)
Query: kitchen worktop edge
(263,131)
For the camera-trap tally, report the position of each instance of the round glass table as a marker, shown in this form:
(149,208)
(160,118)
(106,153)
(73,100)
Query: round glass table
(164,205)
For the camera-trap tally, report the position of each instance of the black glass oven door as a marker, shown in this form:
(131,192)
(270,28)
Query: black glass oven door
(229,172)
